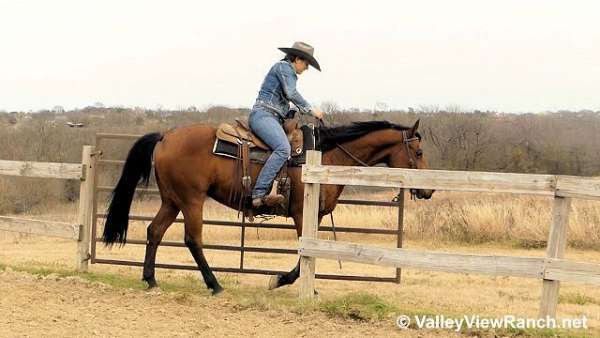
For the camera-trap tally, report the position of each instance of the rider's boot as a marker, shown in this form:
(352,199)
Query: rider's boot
(273,198)
(268,200)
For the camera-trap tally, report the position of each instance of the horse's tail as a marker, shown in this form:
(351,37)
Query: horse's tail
(136,170)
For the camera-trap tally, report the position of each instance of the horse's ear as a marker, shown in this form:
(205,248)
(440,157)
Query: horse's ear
(414,128)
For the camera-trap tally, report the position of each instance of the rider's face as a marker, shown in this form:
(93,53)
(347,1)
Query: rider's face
(300,65)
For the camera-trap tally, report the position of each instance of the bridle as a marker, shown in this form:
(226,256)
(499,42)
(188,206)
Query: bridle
(406,140)
(412,162)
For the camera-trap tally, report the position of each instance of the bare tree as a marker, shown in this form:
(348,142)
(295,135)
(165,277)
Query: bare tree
(332,112)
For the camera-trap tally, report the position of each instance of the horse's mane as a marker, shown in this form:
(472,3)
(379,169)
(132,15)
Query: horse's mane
(330,136)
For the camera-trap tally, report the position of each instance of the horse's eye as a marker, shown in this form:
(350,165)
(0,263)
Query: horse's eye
(419,153)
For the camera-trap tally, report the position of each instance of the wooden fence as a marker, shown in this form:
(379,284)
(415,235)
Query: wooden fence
(551,269)
(79,232)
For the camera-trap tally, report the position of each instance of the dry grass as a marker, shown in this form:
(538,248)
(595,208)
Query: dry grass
(515,220)
(518,220)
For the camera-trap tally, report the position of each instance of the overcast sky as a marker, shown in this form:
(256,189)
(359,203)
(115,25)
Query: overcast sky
(514,56)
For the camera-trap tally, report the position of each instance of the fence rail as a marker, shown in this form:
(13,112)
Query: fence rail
(514,266)
(38,227)
(68,171)
(80,232)
(548,185)
(551,269)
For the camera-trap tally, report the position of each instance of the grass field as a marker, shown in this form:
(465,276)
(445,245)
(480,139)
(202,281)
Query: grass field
(489,224)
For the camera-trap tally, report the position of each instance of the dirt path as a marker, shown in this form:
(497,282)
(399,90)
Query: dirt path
(34,306)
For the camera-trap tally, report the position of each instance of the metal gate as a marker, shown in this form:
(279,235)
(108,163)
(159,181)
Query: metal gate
(242,248)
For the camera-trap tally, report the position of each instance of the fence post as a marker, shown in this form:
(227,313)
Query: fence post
(310,220)
(400,235)
(84,217)
(557,242)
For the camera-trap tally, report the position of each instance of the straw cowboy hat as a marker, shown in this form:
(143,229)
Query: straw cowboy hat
(304,51)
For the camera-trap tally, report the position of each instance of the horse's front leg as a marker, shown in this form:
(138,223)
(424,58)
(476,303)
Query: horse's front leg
(286,278)
(291,276)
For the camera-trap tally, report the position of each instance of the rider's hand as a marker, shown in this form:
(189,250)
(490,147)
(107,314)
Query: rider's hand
(318,113)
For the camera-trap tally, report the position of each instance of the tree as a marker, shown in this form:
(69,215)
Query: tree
(332,112)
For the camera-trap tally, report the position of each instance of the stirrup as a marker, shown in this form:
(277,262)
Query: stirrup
(268,200)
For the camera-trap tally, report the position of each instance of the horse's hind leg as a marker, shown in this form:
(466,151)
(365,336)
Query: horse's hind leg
(192,216)
(156,230)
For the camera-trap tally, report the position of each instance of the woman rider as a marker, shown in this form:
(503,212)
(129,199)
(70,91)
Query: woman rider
(271,108)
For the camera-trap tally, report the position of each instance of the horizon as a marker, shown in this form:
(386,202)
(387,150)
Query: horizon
(350,110)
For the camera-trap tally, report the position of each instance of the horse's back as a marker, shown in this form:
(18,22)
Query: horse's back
(184,162)
(186,141)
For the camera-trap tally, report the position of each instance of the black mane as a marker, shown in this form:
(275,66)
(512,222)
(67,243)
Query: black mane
(328,137)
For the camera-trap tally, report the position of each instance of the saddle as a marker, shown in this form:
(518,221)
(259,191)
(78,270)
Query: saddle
(241,132)
(238,142)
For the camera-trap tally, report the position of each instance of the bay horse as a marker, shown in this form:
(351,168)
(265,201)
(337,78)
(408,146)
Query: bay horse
(187,172)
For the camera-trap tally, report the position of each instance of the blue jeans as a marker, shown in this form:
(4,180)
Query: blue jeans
(266,126)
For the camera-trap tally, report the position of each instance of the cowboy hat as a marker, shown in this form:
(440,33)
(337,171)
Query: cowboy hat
(304,51)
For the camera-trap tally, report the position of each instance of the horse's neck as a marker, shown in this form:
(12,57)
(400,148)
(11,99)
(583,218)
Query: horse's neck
(368,152)
(367,149)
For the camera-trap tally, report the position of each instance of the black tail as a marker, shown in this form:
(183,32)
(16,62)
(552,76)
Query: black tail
(136,170)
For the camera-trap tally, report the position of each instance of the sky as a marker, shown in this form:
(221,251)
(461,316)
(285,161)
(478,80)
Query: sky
(509,55)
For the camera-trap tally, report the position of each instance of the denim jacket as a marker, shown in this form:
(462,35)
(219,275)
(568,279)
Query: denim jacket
(278,89)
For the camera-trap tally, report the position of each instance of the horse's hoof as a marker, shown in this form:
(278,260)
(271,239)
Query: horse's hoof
(274,282)
(151,283)
(216,290)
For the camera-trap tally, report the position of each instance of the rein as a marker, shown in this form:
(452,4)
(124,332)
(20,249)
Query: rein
(351,156)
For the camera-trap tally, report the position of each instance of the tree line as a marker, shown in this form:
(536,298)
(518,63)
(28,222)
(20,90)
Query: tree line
(548,143)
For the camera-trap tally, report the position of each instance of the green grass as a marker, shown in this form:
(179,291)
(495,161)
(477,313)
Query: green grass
(116,281)
(358,306)
(355,306)
(577,298)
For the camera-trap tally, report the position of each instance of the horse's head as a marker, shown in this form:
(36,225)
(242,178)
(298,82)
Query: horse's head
(407,153)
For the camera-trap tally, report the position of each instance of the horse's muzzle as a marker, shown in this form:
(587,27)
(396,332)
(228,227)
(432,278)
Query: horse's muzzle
(423,194)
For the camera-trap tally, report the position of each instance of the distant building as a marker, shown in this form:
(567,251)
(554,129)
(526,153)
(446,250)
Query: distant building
(74,124)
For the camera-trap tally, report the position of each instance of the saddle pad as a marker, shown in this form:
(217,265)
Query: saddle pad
(228,149)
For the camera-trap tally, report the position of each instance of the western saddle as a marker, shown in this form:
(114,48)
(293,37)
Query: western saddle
(241,132)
